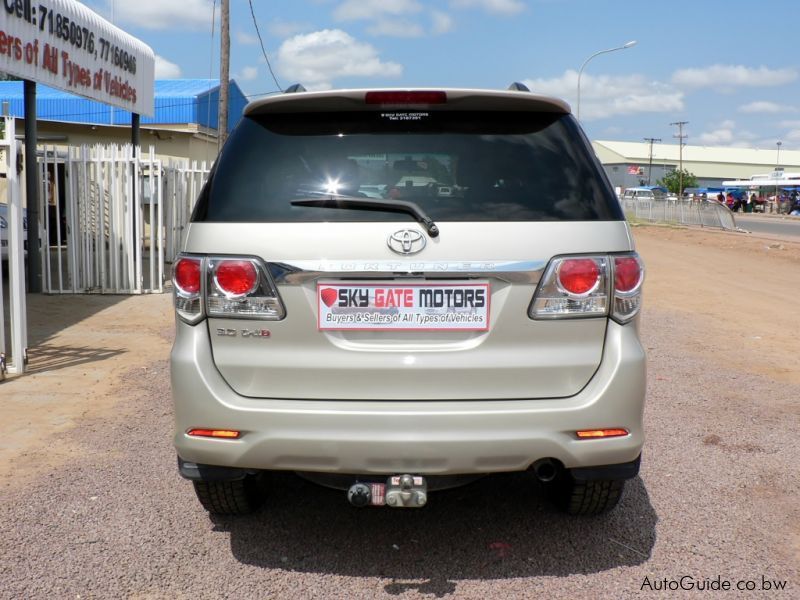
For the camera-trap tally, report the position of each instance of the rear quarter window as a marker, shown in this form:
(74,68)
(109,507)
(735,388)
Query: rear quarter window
(458,166)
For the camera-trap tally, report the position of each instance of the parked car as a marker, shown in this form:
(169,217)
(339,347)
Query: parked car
(645,193)
(383,344)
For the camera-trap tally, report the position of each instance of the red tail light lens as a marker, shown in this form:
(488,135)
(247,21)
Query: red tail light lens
(627,273)
(406,97)
(236,277)
(579,276)
(187,276)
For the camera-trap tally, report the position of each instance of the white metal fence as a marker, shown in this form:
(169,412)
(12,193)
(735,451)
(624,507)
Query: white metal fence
(118,220)
(705,213)
(13,347)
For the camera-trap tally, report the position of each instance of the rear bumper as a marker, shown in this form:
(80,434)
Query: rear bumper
(425,437)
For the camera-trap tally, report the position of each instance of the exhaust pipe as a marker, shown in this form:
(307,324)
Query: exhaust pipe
(545,469)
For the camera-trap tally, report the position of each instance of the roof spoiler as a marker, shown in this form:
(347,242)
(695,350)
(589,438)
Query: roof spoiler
(518,87)
(295,89)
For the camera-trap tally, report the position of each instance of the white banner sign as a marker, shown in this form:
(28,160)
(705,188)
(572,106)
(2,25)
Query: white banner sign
(63,44)
(391,306)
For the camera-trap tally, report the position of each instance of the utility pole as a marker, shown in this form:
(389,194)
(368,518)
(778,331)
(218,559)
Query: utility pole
(681,136)
(650,165)
(224,70)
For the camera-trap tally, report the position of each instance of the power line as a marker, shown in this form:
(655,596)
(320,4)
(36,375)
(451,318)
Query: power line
(269,66)
(650,166)
(681,136)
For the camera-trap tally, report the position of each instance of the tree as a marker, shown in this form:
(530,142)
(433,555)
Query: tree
(672,180)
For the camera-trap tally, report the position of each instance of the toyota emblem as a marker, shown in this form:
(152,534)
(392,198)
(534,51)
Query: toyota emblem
(407,241)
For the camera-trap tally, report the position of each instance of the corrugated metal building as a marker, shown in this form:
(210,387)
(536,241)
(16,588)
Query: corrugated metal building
(628,163)
(177,101)
(184,124)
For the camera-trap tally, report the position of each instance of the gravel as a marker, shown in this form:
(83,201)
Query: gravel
(717,497)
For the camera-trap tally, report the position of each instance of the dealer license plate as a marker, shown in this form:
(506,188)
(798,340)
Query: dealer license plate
(397,307)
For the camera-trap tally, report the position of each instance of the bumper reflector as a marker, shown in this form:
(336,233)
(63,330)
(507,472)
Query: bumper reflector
(228,434)
(585,434)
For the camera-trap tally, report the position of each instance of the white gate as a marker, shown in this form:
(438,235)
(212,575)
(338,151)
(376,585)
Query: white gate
(13,234)
(183,181)
(116,222)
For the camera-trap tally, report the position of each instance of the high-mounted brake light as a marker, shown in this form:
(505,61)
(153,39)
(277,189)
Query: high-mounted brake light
(228,434)
(406,97)
(586,434)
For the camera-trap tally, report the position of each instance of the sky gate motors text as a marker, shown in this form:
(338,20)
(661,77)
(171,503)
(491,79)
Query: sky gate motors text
(406,298)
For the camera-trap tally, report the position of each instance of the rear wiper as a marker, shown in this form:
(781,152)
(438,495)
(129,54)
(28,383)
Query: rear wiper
(359,203)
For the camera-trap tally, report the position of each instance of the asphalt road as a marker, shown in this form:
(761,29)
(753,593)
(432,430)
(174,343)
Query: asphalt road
(772,226)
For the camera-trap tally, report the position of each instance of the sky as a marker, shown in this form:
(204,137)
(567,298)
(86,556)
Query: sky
(729,68)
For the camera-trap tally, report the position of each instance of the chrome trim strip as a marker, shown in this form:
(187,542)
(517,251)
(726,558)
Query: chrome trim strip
(297,272)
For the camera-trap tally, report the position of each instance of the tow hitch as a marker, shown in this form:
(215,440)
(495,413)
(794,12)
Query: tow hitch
(399,491)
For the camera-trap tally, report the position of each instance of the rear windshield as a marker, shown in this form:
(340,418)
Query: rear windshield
(457,166)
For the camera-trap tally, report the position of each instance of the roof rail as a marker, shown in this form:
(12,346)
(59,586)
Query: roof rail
(519,87)
(294,89)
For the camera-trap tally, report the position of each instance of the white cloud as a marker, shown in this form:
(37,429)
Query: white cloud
(726,78)
(501,7)
(605,96)
(248,74)
(790,124)
(764,106)
(316,59)
(718,137)
(395,28)
(245,38)
(158,14)
(793,135)
(166,69)
(355,10)
(725,133)
(442,22)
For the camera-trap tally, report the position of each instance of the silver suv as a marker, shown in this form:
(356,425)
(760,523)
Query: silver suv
(477,314)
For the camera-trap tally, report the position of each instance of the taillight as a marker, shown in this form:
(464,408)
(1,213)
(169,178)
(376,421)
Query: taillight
(406,97)
(236,277)
(628,278)
(224,287)
(187,275)
(241,288)
(187,283)
(572,287)
(579,276)
(590,286)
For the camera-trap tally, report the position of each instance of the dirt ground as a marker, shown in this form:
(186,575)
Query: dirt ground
(88,478)
(743,287)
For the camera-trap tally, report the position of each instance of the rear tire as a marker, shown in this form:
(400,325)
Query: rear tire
(238,497)
(587,497)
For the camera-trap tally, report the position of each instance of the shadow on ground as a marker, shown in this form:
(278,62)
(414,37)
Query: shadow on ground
(499,527)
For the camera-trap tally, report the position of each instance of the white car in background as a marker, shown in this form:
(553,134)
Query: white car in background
(5,227)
